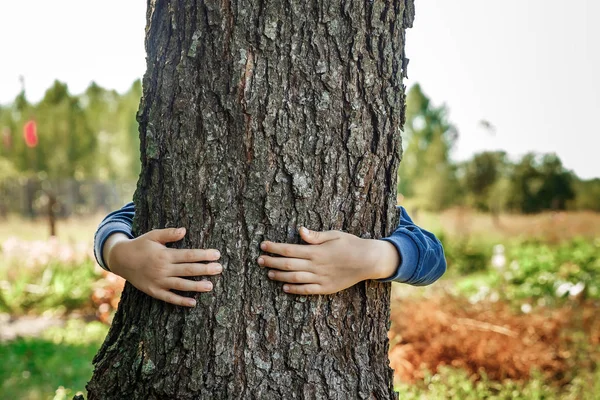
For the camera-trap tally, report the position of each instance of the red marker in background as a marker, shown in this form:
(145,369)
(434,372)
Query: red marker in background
(30,134)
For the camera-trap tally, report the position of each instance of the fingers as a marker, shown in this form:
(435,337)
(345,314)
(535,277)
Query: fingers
(292,277)
(288,250)
(307,289)
(193,255)
(315,237)
(170,297)
(192,269)
(186,285)
(167,235)
(285,264)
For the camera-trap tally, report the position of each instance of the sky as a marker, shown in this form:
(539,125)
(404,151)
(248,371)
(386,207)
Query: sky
(528,67)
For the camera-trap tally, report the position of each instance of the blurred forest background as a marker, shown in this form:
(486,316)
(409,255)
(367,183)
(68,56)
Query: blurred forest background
(515,316)
(84,140)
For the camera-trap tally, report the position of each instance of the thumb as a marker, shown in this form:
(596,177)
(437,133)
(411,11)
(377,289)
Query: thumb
(167,235)
(315,237)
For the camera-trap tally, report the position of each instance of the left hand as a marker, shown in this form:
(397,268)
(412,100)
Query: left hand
(331,262)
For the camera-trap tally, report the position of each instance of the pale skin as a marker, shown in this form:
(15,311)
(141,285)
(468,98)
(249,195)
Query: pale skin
(331,261)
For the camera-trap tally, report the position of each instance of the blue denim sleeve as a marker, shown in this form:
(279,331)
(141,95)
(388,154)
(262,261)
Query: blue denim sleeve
(422,260)
(117,221)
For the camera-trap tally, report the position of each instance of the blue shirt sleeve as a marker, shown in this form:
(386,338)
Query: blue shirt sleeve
(422,260)
(117,221)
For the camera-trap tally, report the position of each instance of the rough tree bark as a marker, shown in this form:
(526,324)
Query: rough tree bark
(258,117)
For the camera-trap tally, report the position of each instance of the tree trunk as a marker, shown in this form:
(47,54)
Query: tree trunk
(52,202)
(257,118)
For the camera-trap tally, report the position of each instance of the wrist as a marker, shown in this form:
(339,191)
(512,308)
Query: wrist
(109,253)
(385,259)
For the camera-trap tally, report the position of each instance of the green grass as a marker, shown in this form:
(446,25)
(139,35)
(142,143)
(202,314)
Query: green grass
(451,384)
(37,368)
(53,288)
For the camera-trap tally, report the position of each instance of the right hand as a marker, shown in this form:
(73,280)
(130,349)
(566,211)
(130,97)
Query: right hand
(155,269)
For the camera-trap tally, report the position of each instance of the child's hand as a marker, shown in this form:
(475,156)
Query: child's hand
(332,261)
(155,269)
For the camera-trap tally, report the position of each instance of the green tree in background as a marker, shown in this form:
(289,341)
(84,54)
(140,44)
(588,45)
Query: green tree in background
(426,172)
(113,118)
(100,105)
(557,187)
(480,177)
(14,152)
(94,135)
(67,143)
(7,167)
(126,113)
(540,183)
(587,194)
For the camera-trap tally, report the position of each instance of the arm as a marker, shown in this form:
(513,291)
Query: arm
(119,221)
(422,260)
(335,260)
(147,263)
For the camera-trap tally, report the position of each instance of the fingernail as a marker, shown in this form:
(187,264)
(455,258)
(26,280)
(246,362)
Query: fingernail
(219,269)
(180,230)
(304,230)
(271,274)
(263,246)
(286,288)
(191,303)
(261,260)
(208,285)
(217,254)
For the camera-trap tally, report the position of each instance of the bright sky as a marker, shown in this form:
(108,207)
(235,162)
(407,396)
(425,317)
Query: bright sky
(528,67)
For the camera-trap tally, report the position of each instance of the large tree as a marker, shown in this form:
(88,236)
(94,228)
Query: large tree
(258,117)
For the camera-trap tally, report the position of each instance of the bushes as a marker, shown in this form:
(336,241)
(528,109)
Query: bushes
(487,350)
(488,336)
(452,383)
(464,255)
(41,276)
(524,326)
(542,271)
(527,270)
